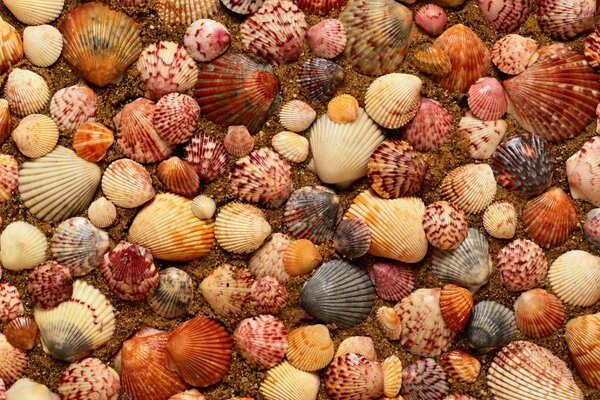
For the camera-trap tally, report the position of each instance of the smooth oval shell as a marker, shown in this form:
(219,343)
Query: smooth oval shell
(262,341)
(456,305)
(174,294)
(310,347)
(127,184)
(343,109)
(393,281)
(471,187)
(241,228)
(328,38)
(285,382)
(492,325)
(35,136)
(431,19)
(513,53)
(26,92)
(89,378)
(538,313)
(483,136)
(227,289)
(575,278)
(430,128)
(205,40)
(203,207)
(301,257)
(392,100)
(581,336)
(22,333)
(91,141)
(351,376)
(445,225)
(297,116)
(522,265)
(22,246)
(424,380)
(42,45)
(50,284)
(352,238)
(460,366)
(500,220)
(582,172)
(506,15)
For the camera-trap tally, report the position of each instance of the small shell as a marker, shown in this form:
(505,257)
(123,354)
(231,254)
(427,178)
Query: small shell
(79,245)
(26,92)
(456,304)
(25,388)
(393,281)
(36,135)
(483,136)
(5,120)
(319,78)
(50,284)
(204,207)
(575,278)
(492,325)
(241,228)
(432,60)
(392,100)
(361,345)
(538,313)
(591,229)
(301,257)
(500,220)
(207,156)
(310,347)
(424,380)
(238,141)
(89,378)
(12,46)
(319,7)
(471,187)
(269,259)
(72,106)
(32,12)
(582,335)
(328,38)
(343,109)
(297,116)
(582,172)
(461,366)
(42,45)
(127,184)
(445,225)
(522,265)
(184,12)
(285,382)
(262,341)
(591,49)
(351,376)
(10,302)
(205,40)
(291,146)
(178,177)
(102,212)
(392,376)
(430,128)
(174,294)
(563,20)
(268,296)
(22,246)
(514,53)
(339,293)
(13,362)
(91,141)
(227,289)
(486,99)
(243,6)
(9,176)
(389,323)
(176,117)
(352,238)
(505,16)
(22,333)
(431,19)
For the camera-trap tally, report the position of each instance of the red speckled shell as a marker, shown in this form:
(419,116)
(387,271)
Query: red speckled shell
(320,7)
(72,106)
(445,225)
(176,117)
(430,128)
(89,379)
(262,341)
(10,302)
(393,281)
(328,38)
(565,19)
(50,284)
(522,265)
(504,15)
(425,379)
(206,155)
(351,376)
(13,362)
(268,296)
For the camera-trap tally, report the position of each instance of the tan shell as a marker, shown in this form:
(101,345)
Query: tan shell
(102,212)
(26,92)
(500,220)
(11,50)
(241,228)
(361,345)
(471,187)
(582,336)
(36,135)
(483,136)
(392,100)
(35,12)
(343,109)
(22,246)
(301,257)
(310,347)
(42,44)
(297,116)
(203,207)
(389,323)
(285,382)
(127,184)
(290,145)
(575,278)
(392,376)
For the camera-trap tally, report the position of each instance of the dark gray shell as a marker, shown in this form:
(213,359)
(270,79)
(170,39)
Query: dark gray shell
(492,325)
(174,294)
(352,238)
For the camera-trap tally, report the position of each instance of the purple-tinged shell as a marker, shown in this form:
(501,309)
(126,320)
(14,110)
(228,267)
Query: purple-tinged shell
(591,49)
(445,225)
(525,164)
(538,313)
(522,265)
(353,377)
(483,136)
(238,141)
(22,333)
(424,332)
(268,295)
(352,238)
(261,177)
(424,380)
(513,54)
(487,100)
(276,32)
(72,106)
(504,15)
(13,362)
(50,284)
(268,260)
(393,280)
(206,40)
(312,213)
(206,154)
(565,19)
(261,341)
(89,379)
(583,170)
(227,289)
(176,117)
(178,177)
(174,294)
(591,229)
(431,19)
(460,366)
(430,128)
(492,325)
(328,38)
(319,78)
(10,302)
(243,6)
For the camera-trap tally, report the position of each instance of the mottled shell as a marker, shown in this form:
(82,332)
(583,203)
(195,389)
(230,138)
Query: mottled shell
(352,238)
(178,177)
(91,141)
(268,296)
(174,294)
(50,284)
(392,100)
(204,207)
(500,220)
(343,109)
(483,136)
(432,60)
(582,335)
(9,176)
(445,225)
(74,105)
(514,53)
(42,45)
(297,116)
(301,257)
(393,281)
(206,154)
(487,100)
(127,184)
(102,212)
(538,313)
(291,146)
(430,128)
(351,376)
(176,117)
(492,325)
(238,141)
(583,171)
(22,333)
(563,20)
(32,12)
(22,246)
(269,259)
(35,136)
(504,16)
(13,362)
(471,187)
(26,92)
(241,228)
(227,289)
(575,278)
(460,366)
(89,378)
(390,323)
(262,341)
(12,46)
(319,78)
(328,38)
(591,229)
(10,302)
(205,40)
(456,304)
(431,19)
(424,380)
(310,347)
(522,265)
(243,6)
(591,49)
(285,382)
(184,12)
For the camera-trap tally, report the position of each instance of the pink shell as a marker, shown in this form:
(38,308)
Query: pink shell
(431,19)
(262,341)
(565,19)
(176,117)
(393,281)
(227,289)
(178,177)
(243,6)
(268,260)
(522,265)
(425,379)
(583,169)
(430,128)
(72,106)
(129,271)
(206,40)
(206,155)
(328,38)
(351,376)
(2,390)
(445,225)
(10,304)
(50,284)
(268,295)
(504,15)
(514,53)
(238,141)
(89,379)
(9,176)
(486,99)
(591,49)
(13,362)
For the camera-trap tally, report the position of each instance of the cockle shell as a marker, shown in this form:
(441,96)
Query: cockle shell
(10,302)
(432,60)
(563,20)
(13,362)
(319,7)
(74,105)
(22,246)
(31,12)
(389,323)
(392,100)
(361,345)
(262,341)
(243,6)
(238,141)
(424,380)
(206,40)
(184,12)
(191,394)
(591,49)
(42,45)
(456,304)
(522,265)
(583,171)
(328,38)
(582,335)
(178,177)
(483,136)
(538,313)
(351,376)
(50,284)
(291,146)
(319,78)
(127,184)
(285,382)
(310,347)
(22,333)
(91,141)
(486,99)
(445,225)
(89,378)
(9,176)
(575,278)
(352,238)
(227,289)
(504,16)
(591,229)
(471,187)
(460,366)
(5,121)
(343,109)
(36,135)
(176,117)
(430,128)
(12,47)
(269,259)
(301,257)
(431,19)
(492,325)
(26,92)
(268,296)
(206,154)
(174,294)
(297,116)
(500,220)
(514,53)
(393,281)
(241,228)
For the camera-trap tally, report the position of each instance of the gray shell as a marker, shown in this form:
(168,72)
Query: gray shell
(492,325)
(174,295)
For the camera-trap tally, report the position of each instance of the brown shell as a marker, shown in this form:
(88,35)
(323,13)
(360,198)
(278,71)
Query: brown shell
(432,60)
(22,333)
(179,177)
(456,304)
(460,366)
(538,313)
(582,336)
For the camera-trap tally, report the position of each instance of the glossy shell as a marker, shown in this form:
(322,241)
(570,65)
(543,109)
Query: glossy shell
(301,257)
(22,246)
(206,40)
(431,19)
(91,141)
(22,333)
(178,177)
(492,325)
(262,341)
(582,335)
(575,278)
(538,313)
(174,294)
(582,171)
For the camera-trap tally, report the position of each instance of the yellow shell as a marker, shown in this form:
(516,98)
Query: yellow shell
(343,109)
(241,228)
(36,135)
(11,46)
(392,376)
(184,12)
(285,382)
(310,348)
(582,336)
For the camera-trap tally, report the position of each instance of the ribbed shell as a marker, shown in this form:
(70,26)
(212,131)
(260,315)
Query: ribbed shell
(583,172)
(352,238)
(174,294)
(206,154)
(5,120)
(50,284)
(268,296)
(178,177)
(35,136)
(393,281)
(471,187)
(72,106)
(22,246)
(343,109)
(262,341)
(506,15)
(10,302)
(13,362)
(591,229)
(291,146)
(11,48)
(456,304)
(424,380)
(227,289)
(565,19)
(361,345)
(269,259)
(483,136)
(575,278)
(9,176)
(445,225)
(513,53)
(353,377)
(431,19)
(206,40)
(91,141)
(203,207)
(238,141)
(500,220)
(538,313)
(582,336)
(310,347)
(522,265)
(22,333)
(301,257)
(241,228)
(35,12)
(328,38)
(393,99)
(486,99)
(389,322)
(26,92)
(430,128)
(492,325)
(319,7)
(432,60)
(591,49)
(285,382)
(176,117)
(461,366)
(184,12)
(89,379)
(42,45)
(319,78)
(127,184)
(297,116)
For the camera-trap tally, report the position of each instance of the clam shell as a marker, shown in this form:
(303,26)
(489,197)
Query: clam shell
(389,323)
(13,362)
(91,141)
(339,293)
(565,19)
(89,378)
(35,12)
(424,380)
(522,265)
(513,53)
(352,238)
(591,229)
(285,382)
(591,49)
(582,172)
(22,246)
(42,45)
(430,128)
(9,176)
(291,146)
(26,92)
(471,187)
(393,281)
(492,325)
(432,60)
(178,177)
(483,136)
(505,15)
(35,136)
(268,296)
(392,100)
(319,78)
(361,345)
(262,341)
(238,141)
(486,99)
(204,207)
(351,376)
(22,333)
(227,289)
(538,313)
(582,335)
(456,305)
(174,294)
(392,376)
(575,278)
(50,284)
(127,184)
(74,105)
(10,302)
(12,46)
(460,366)
(206,154)
(328,38)
(301,257)
(310,347)
(206,40)
(241,228)
(184,12)
(243,6)
(5,120)
(431,19)
(500,220)
(445,225)
(297,116)
(343,109)
(269,259)
(176,117)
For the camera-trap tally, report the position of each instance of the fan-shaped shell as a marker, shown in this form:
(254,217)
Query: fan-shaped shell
(13,362)
(432,60)
(582,335)
(285,382)
(22,246)
(269,259)
(328,38)
(445,225)
(25,388)
(206,40)
(22,333)
(262,341)
(178,177)
(301,257)
(361,345)
(471,187)
(102,212)
(206,154)
(310,347)
(243,6)
(565,19)
(486,99)
(583,172)
(36,135)
(500,220)
(241,228)
(297,116)
(42,45)
(352,238)
(431,19)
(319,7)
(268,296)
(522,265)
(343,109)
(127,184)
(9,176)
(538,313)
(12,47)
(89,378)
(575,278)
(50,284)
(176,117)
(430,128)
(74,105)
(506,15)
(291,146)
(393,281)
(319,78)
(204,207)
(184,12)
(591,229)
(392,100)
(238,141)
(389,323)
(26,92)
(227,289)
(514,53)
(456,304)
(174,294)
(550,218)
(392,375)
(591,49)
(351,376)
(424,380)
(5,121)
(483,136)
(91,141)
(460,366)
(492,325)
(10,302)
(32,12)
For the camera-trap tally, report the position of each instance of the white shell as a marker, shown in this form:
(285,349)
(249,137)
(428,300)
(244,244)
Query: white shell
(241,228)
(483,136)
(22,246)
(26,92)
(291,146)
(500,220)
(102,212)
(285,382)
(583,171)
(297,116)
(471,187)
(203,207)
(42,44)
(27,389)
(393,100)
(36,135)
(575,278)
(127,184)
(35,12)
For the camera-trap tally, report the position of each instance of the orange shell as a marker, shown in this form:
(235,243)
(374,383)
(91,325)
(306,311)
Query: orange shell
(301,257)
(538,313)
(91,140)
(456,304)
(583,335)
(460,365)
(22,333)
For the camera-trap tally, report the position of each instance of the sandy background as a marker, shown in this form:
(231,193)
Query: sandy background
(241,379)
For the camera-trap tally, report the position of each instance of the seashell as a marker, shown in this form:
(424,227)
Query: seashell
(269,259)
(301,257)
(523,369)
(50,284)
(291,146)
(459,397)
(89,378)
(13,362)
(505,16)
(137,137)
(392,100)
(483,136)
(191,394)
(339,293)
(241,228)
(538,313)
(492,325)
(432,60)
(243,6)
(100,60)
(205,40)
(392,376)
(262,341)
(184,12)
(550,218)
(460,366)
(575,278)
(341,151)
(36,135)
(201,350)
(500,220)
(227,289)
(102,212)
(21,333)
(312,213)
(591,49)
(22,246)
(319,78)
(513,53)
(424,380)
(581,335)
(32,12)
(42,45)
(268,295)
(319,7)
(431,19)
(522,265)
(12,46)
(430,128)
(206,155)
(556,96)
(72,106)
(471,187)
(486,99)
(591,229)
(393,281)
(351,376)
(174,294)
(582,172)
(26,92)
(238,141)
(79,245)
(5,120)
(343,109)
(178,177)
(168,228)
(445,225)
(361,345)
(91,141)
(127,184)
(285,382)
(276,32)
(165,67)
(425,332)
(389,323)
(310,348)
(352,238)
(234,90)
(27,389)
(10,302)
(204,207)
(328,38)
(469,265)
(176,117)
(469,57)
(297,116)
(563,20)
(77,326)
(456,304)
(379,34)
(9,176)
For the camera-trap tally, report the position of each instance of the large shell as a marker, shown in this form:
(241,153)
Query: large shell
(484,136)
(234,90)
(50,284)
(13,362)
(285,382)
(505,15)
(538,313)
(168,228)
(74,105)
(575,278)
(269,260)
(328,38)
(22,246)
(379,34)
(430,128)
(424,380)
(42,44)
(319,78)
(99,57)
(582,334)
(241,228)
(492,325)
(89,378)
(339,293)
(522,265)
(174,294)
(176,117)
(77,326)
(471,187)
(262,341)
(513,53)
(206,154)
(565,19)
(392,100)
(396,225)
(456,304)
(227,289)
(445,225)
(92,140)
(351,376)
(297,116)
(26,92)
(393,281)
(556,97)
(461,366)
(36,135)
(127,184)
(12,46)
(583,171)
(310,347)
(184,12)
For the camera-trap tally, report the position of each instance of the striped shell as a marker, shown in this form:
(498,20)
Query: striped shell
(393,281)
(42,45)
(424,380)
(9,176)
(268,296)
(310,347)
(352,238)
(392,100)
(36,135)
(176,117)
(445,225)
(390,323)
(456,304)
(243,6)
(50,284)
(204,207)
(487,100)
(297,116)
(127,184)
(262,341)
(430,128)
(483,136)
(102,212)
(538,313)
(13,362)
(460,366)
(206,154)
(504,16)
(32,12)
(285,382)
(291,146)
(500,220)
(591,49)
(91,141)
(351,376)
(89,378)
(582,172)
(319,78)
(563,20)
(10,302)
(26,92)
(12,47)
(432,60)
(471,187)
(184,12)
(582,335)
(269,259)
(522,265)
(241,228)
(238,141)
(492,325)
(575,278)
(174,294)
(514,53)
(178,177)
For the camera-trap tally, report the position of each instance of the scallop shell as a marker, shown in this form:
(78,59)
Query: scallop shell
(319,78)
(483,136)
(310,347)
(42,45)
(285,382)
(392,100)
(176,117)
(269,259)
(492,325)
(9,176)
(36,135)
(241,228)
(431,19)
(297,116)
(238,141)
(396,228)
(460,366)
(591,229)
(10,302)
(351,376)
(23,246)
(389,323)
(582,335)
(445,225)
(591,49)
(32,12)
(127,184)
(486,99)
(12,46)
(262,341)
(471,187)
(582,172)
(432,60)
(50,284)
(522,265)
(392,375)
(456,304)
(77,326)
(343,109)
(319,7)
(361,345)
(74,105)
(13,362)
(575,278)
(339,293)
(91,141)
(206,155)
(268,296)
(424,380)
(500,220)
(184,12)
(301,257)
(168,228)
(204,207)
(205,40)
(22,333)
(89,378)
(506,15)
(430,128)
(352,238)
(227,289)
(328,38)
(565,19)
(5,120)
(26,92)
(513,53)
(243,6)
(291,146)
(99,59)
(174,294)
(178,177)
(393,281)
(538,313)
(379,34)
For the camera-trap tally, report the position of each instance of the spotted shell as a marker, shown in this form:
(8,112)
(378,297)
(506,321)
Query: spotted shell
(591,49)
(10,302)
(353,376)
(206,40)
(471,187)
(430,128)
(460,366)
(13,362)
(538,313)
(74,105)
(591,229)
(243,6)
(176,117)
(513,53)
(431,19)
(174,294)
(563,20)
(483,136)
(522,265)
(262,341)
(206,154)
(269,260)
(500,220)
(227,289)
(268,296)
(445,225)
